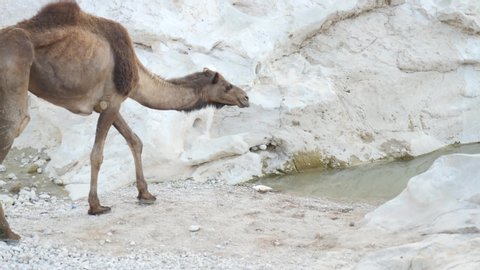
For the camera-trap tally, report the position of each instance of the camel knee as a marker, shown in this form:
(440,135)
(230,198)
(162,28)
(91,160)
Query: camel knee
(137,144)
(23,124)
(6,141)
(9,130)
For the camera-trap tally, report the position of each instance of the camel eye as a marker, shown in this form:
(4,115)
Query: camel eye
(228,88)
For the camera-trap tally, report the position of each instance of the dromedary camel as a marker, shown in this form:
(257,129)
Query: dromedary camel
(84,63)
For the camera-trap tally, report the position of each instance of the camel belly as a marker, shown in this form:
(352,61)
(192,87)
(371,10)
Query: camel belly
(72,70)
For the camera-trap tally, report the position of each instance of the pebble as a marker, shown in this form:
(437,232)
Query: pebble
(33,168)
(263,147)
(12,176)
(25,161)
(39,170)
(194,228)
(44,196)
(262,188)
(26,195)
(7,200)
(57,181)
(40,162)
(3,168)
(132,243)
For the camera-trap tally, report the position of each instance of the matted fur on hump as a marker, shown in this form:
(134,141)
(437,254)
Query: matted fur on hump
(68,13)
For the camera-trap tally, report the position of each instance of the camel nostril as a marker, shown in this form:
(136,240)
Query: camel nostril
(246,98)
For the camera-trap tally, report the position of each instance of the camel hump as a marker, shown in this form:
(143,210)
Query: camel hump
(68,13)
(63,13)
(125,75)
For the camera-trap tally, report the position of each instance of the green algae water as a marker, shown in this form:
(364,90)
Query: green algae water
(23,179)
(373,183)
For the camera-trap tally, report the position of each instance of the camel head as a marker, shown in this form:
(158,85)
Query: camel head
(220,92)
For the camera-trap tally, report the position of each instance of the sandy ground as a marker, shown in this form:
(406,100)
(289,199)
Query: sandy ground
(239,228)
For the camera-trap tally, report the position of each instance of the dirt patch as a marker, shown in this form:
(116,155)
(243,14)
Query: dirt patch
(236,224)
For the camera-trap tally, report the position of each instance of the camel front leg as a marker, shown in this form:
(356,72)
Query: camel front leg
(136,147)
(16,58)
(5,232)
(105,121)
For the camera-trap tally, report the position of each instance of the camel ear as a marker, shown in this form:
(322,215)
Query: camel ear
(205,69)
(215,78)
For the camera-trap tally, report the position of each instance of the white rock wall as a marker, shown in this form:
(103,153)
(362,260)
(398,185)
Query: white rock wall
(346,81)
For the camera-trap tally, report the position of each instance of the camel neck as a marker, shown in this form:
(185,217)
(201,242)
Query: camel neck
(160,94)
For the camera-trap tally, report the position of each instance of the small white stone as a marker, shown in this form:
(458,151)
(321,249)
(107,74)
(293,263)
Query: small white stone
(39,170)
(3,168)
(194,228)
(7,200)
(44,196)
(26,195)
(263,147)
(12,176)
(262,188)
(57,181)
(132,243)
(40,162)
(25,161)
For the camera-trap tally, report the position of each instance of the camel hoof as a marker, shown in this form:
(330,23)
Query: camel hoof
(146,199)
(99,210)
(9,237)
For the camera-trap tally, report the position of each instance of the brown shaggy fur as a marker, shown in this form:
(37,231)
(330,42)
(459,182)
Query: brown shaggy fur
(196,80)
(64,14)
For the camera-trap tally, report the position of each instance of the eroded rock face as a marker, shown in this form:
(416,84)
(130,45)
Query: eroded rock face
(442,208)
(352,80)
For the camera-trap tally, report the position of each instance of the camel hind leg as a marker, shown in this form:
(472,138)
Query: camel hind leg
(136,146)
(16,57)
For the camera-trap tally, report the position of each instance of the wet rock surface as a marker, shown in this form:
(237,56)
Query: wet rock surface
(23,170)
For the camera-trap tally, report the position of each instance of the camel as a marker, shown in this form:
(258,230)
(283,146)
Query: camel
(87,64)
